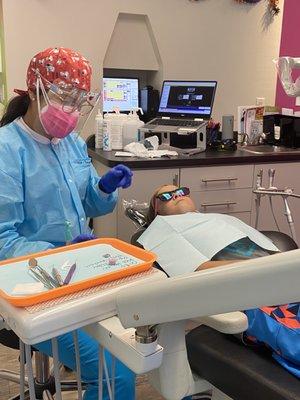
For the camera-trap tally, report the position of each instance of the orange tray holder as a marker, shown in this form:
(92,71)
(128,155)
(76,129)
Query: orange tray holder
(145,256)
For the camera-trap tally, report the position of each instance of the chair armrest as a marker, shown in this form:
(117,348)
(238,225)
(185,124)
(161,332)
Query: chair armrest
(230,323)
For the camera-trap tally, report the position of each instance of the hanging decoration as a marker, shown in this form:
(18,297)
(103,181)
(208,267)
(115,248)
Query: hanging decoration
(248,1)
(272,5)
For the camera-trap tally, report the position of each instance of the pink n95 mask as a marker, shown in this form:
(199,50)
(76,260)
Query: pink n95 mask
(56,122)
(65,111)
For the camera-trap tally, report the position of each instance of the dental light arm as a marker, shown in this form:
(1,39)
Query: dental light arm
(244,285)
(271,173)
(285,65)
(271,191)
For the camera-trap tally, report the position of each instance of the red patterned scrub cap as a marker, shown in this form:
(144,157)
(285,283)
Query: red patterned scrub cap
(60,66)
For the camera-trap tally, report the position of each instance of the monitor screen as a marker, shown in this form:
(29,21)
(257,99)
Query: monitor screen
(186,97)
(121,93)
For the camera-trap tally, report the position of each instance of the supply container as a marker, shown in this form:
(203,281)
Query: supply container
(113,126)
(227,127)
(131,128)
(106,133)
(99,130)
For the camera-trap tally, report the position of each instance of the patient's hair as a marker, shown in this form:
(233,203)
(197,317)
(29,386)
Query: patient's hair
(151,210)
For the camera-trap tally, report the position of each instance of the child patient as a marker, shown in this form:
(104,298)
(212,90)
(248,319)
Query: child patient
(221,239)
(276,327)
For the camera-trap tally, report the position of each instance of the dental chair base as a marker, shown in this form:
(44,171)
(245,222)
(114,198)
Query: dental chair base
(170,373)
(139,357)
(175,361)
(174,379)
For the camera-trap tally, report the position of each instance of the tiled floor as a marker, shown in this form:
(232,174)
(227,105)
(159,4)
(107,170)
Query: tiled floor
(9,360)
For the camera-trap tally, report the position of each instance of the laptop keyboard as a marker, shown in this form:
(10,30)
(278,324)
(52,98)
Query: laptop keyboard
(175,122)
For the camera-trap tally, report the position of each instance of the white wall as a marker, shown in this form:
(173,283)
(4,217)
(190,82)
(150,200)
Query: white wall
(209,39)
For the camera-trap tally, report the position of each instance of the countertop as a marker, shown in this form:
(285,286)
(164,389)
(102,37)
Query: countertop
(206,158)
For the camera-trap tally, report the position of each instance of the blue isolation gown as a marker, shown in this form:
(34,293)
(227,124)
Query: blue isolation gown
(45,184)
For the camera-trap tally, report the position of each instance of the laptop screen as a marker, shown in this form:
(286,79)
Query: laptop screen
(187,98)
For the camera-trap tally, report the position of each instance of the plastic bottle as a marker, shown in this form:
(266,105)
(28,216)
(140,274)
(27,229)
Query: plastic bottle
(114,127)
(106,133)
(131,128)
(99,130)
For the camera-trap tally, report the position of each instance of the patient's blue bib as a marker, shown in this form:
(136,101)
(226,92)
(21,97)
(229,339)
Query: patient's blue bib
(184,242)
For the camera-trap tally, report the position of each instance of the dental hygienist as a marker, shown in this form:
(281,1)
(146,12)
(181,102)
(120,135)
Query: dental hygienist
(47,181)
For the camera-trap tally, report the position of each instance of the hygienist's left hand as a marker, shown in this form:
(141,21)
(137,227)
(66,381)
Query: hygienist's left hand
(84,237)
(118,176)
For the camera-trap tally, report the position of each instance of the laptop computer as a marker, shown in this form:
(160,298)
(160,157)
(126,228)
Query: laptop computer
(183,105)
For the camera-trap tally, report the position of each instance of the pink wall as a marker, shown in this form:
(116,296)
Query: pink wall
(289,46)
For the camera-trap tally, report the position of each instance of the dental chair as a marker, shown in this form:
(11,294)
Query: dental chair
(226,363)
(240,372)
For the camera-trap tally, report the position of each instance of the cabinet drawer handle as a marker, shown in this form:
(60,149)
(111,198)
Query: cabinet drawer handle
(225,203)
(219,180)
(176,180)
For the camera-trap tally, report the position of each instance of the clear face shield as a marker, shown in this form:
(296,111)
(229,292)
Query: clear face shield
(65,108)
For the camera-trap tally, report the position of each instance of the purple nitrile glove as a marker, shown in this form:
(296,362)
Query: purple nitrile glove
(118,176)
(83,238)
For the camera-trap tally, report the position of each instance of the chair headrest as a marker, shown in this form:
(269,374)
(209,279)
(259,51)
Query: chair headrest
(138,216)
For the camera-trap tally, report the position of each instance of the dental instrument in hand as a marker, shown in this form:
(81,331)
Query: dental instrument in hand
(48,278)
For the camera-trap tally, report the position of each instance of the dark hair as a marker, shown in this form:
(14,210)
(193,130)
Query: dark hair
(17,107)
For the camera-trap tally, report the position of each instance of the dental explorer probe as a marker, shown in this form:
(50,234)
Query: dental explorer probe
(37,276)
(48,278)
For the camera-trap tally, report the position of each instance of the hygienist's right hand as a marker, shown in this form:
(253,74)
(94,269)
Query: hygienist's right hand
(118,176)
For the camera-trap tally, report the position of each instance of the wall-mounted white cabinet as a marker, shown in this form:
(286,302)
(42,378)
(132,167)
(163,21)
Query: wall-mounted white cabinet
(132,45)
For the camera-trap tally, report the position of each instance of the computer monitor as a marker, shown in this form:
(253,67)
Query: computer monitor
(121,93)
(187,98)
